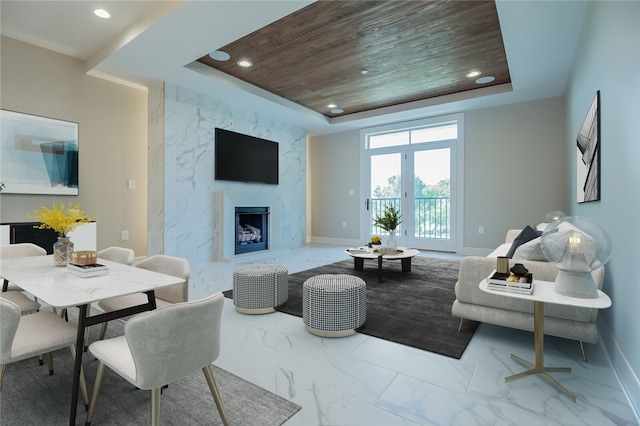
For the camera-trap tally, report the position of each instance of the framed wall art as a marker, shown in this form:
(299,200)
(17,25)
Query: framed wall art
(588,155)
(38,155)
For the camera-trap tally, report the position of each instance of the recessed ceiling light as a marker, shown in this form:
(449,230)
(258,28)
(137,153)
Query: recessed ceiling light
(485,80)
(337,111)
(473,74)
(332,106)
(244,63)
(102,13)
(219,55)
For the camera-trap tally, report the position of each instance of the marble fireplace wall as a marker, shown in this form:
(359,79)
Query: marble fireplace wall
(190,217)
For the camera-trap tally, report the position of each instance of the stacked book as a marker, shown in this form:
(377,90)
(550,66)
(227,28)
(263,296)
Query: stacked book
(359,250)
(504,282)
(86,271)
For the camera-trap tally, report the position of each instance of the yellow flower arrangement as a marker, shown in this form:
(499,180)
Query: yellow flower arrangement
(62,219)
(376,239)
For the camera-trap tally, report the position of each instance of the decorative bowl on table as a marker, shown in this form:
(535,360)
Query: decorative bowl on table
(84,257)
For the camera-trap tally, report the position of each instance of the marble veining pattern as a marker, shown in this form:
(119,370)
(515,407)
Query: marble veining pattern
(155,171)
(189,215)
(362,380)
(54,285)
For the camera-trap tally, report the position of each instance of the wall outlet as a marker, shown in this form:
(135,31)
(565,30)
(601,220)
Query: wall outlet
(480,229)
(125,235)
(131,183)
(344,223)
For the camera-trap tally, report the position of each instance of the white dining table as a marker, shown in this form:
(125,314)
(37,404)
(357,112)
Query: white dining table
(54,286)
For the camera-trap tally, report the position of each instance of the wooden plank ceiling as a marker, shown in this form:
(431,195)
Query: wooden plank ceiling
(411,50)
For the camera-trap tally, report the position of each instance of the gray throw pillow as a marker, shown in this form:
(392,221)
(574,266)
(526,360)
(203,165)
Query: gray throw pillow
(526,235)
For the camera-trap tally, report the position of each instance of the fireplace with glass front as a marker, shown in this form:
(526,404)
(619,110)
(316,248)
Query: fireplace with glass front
(252,229)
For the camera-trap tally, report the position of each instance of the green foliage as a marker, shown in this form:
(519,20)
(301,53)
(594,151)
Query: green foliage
(392,190)
(389,220)
(421,189)
(432,205)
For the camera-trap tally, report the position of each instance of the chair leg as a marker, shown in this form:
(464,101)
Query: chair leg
(83,383)
(155,407)
(40,360)
(2,367)
(87,331)
(208,374)
(63,313)
(584,354)
(460,325)
(103,330)
(96,390)
(50,363)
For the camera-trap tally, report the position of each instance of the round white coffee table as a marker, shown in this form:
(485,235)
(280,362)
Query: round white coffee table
(359,255)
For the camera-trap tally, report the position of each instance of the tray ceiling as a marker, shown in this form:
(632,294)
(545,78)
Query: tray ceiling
(358,56)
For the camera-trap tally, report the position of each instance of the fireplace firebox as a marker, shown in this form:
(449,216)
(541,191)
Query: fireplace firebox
(252,229)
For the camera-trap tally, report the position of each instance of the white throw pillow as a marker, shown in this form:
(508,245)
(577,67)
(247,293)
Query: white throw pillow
(531,250)
(542,226)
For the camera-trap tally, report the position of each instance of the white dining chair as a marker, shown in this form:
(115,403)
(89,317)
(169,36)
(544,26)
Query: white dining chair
(14,293)
(162,346)
(169,265)
(26,336)
(117,254)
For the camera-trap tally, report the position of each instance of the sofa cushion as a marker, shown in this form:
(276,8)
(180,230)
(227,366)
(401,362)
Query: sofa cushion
(474,269)
(531,250)
(526,235)
(500,251)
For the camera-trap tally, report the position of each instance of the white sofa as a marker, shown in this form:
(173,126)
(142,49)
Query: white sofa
(474,304)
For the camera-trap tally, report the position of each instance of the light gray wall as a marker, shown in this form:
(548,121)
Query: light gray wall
(334,169)
(608,60)
(112,123)
(515,169)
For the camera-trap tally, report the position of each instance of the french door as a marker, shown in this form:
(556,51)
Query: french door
(414,171)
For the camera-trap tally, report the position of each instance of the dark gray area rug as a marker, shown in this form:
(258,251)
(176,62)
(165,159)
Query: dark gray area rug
(31,397)
(411,308)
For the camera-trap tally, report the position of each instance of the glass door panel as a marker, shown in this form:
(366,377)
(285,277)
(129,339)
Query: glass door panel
(385,187)
(431,199)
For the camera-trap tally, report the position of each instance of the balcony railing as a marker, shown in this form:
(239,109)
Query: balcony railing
(431,215)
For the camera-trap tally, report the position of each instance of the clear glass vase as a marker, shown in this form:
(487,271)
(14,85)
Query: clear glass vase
(62,251)
(391,245)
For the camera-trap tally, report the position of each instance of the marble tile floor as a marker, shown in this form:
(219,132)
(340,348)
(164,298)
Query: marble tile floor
(362,380)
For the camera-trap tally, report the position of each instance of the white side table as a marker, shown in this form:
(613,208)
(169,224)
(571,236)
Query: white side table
(543,293)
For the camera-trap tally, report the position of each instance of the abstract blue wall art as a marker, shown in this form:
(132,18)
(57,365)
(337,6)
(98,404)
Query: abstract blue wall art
(38,155)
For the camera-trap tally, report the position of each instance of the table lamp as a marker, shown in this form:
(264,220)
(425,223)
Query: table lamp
(576,246)
(554,216)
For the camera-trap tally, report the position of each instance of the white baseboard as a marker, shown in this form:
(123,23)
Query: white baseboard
(628,378)
(335,241)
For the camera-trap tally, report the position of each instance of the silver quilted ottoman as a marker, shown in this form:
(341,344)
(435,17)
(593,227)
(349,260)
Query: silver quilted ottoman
(260,288)
(334,305)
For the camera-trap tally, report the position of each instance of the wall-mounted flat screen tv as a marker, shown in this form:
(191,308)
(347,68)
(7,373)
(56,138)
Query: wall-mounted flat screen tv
(243,158)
